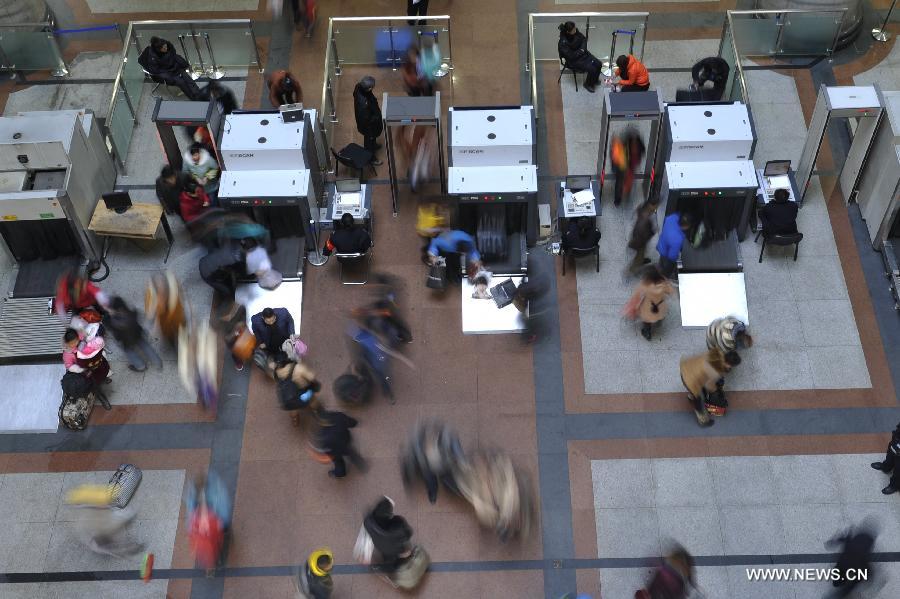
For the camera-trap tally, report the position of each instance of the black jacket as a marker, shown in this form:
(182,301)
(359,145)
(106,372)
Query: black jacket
(573,50)
(349,241)
(158,64)
(390,533)
(124,325)
(713,69)
(368,113)
(334,432)
(226,99)
(273,336)
(642,232)
(169,196)
(779,218)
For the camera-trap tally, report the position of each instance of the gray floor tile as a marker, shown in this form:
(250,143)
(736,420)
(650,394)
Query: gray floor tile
(818,239)
(678,53)
(660,370)
(581,157)
(24,547)
(30,497)
(713,582)
(803,479)
(159,495)
(611,372)
(770,280)
(622,483)
(818,277)
(603,328)
(164,387)
(807,527)
(857,482)
(770,87)
(828,323)
(744,480)
(632,532)
(741,587)
(773,369)
(839,367)
(752,530)
(23,591)
(775,324)
(682,482)
(609,286)
(113,589)
(697,529)
(623,582)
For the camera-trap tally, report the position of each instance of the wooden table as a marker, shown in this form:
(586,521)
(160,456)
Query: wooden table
(140,221)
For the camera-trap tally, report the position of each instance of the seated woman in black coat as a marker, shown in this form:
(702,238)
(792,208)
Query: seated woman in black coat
(573,50)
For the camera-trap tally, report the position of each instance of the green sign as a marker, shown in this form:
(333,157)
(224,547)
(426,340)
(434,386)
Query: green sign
(47,215)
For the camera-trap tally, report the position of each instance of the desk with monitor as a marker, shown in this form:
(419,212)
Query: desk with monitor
(349,195)
(579,195)
(116,216)
(777,174)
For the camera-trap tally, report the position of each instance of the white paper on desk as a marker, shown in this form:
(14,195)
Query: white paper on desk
(585,196)
(349,199)
(779,182)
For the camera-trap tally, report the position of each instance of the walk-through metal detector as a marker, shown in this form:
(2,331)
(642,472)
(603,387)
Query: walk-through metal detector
(403,111)
(862,102)
(630,107)
(186,113)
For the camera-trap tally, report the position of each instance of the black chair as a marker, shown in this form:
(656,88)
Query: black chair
(354,156)
(779,239)
(579,253)
(158,81)
(564,66)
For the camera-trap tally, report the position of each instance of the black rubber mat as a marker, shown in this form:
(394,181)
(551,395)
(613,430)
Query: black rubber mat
(37,278)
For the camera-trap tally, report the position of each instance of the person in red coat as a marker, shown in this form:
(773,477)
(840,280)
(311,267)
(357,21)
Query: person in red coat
(193,201)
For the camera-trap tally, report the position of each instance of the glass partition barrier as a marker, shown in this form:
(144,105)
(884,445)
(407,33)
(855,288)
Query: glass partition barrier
(30,48)
(599,29)
(372,41)
(132,77)
(120,126)
(727,53)
(785,33)
(810,34)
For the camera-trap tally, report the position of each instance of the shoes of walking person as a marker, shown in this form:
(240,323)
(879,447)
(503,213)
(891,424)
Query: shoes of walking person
(890,490)
(646,334)
(879,466)
(135,369)
(376,162)
(333,475)
(647,261)
(590,88)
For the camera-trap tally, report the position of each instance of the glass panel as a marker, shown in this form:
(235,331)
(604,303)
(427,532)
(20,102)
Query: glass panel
(121,127)
(755,36)
(727,54)
(184,47)
(546,36)
(809,33)
(31,50)
(365,43)
(232,47)
(133,77)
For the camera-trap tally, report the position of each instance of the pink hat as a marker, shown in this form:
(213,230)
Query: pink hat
(90,348)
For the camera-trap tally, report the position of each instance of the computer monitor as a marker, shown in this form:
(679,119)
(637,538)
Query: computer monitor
(777,167)
(578,183)
(119,201)
(347,185)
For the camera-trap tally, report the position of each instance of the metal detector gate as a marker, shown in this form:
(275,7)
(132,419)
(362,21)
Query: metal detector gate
(186,113)
(402,111)
(630,107)
(842,102)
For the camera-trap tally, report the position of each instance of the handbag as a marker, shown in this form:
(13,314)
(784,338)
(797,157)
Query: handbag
(409,574)
(364,547)
(504,293)
(124,483)
(244,345)
(437,275)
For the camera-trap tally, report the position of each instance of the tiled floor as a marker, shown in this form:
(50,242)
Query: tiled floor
(736,506)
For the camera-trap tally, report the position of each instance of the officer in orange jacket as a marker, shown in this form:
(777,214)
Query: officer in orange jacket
(632,74)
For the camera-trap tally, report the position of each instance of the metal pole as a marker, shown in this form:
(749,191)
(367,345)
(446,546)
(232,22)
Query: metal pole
(259,63)
(337,58)
(392,172)
(881,34)
(779,23)
(316,258)
(124,92)
(214,72)
(196,74)
(612,50)
(330,94)
(643,39)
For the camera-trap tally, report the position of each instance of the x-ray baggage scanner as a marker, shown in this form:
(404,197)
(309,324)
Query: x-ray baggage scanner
(629,107)
(864,103)
(698,132)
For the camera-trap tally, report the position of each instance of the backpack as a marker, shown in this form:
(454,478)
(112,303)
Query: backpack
(353,387)
(75,385)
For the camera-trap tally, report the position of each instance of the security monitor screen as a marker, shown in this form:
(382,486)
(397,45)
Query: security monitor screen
(578,183)
(777,167)
(347,185)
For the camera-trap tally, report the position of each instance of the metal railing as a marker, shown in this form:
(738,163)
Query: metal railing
(378,41)
(235,47)
(31,47)
(599,28)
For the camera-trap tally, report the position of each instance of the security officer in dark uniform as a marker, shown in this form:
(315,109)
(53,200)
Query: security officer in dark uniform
(890,463)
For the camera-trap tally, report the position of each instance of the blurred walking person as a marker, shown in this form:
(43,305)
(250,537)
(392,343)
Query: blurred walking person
(314,580)
(334,438)
(649,303)
(124,323)
(101,524)
(674,579)
(855,560)
(626,152)
(390,534)
(283,89)
(700,375)
(163,305)
(727,334)
(643,231)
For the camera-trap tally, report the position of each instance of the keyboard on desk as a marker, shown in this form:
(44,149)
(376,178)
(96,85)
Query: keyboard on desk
(573,208)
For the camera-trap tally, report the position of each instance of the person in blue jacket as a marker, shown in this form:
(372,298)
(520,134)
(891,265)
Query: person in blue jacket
(450,243)
(272,327)
(671,238)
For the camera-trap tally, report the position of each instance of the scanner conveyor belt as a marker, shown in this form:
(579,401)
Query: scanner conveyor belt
(717,256)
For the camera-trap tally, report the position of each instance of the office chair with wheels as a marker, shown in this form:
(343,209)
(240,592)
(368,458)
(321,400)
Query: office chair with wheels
(158,81)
